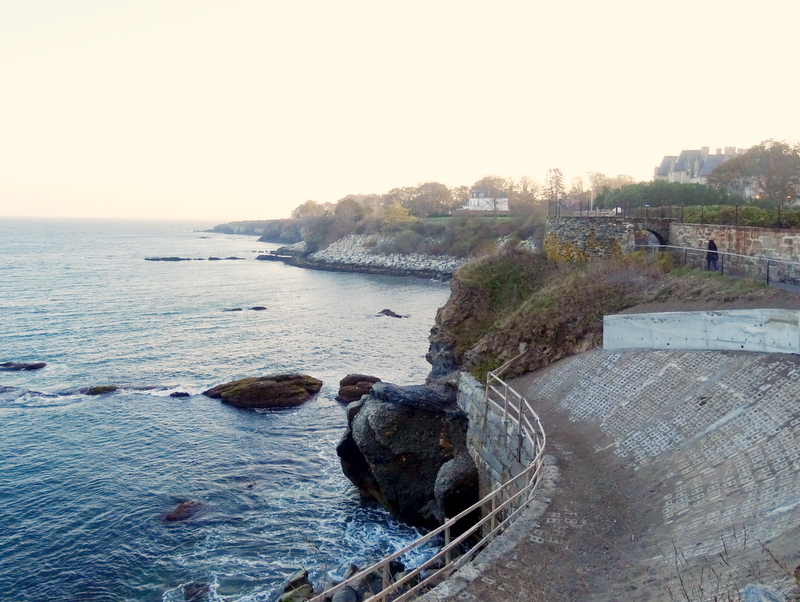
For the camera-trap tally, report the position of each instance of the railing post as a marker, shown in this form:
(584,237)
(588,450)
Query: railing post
(493,521)
(722,264)
(446,543)
(386,579)
(505,404)
(767,272)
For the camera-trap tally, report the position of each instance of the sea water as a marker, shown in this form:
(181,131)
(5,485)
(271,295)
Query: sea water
(85,480)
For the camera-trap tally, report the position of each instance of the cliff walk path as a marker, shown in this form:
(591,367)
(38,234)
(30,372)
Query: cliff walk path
(672,475)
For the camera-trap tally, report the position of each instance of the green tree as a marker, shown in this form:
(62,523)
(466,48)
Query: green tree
(770,169)
(308,209)
(554,189)
(396,214)
(431,198)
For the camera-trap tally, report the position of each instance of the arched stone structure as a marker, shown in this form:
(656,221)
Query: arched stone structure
(584,238)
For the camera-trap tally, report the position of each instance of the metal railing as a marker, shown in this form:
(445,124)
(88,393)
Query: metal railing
(499,509)
(773,271)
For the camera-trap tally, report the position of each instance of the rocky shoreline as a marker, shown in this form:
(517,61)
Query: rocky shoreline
(353,254)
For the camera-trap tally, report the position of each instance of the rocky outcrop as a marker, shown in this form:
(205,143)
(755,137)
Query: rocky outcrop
(353,253)
(14,366)
(397,442)
(390,313)
(353,386)
(276,391)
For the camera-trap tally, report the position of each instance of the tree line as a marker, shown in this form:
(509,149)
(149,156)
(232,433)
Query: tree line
(434,199)
(766,175)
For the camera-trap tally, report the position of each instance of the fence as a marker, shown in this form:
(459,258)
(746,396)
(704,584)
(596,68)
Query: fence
(774,272)
(499,509)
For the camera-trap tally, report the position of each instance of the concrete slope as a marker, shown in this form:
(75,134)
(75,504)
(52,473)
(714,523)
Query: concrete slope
(678,479)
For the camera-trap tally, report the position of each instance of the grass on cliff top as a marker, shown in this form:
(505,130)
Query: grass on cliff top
(516,300)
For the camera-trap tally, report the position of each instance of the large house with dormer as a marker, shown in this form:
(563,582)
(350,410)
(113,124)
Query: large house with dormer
(693,166)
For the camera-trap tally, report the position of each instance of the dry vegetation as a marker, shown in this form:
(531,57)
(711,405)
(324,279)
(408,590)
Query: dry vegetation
(515,300)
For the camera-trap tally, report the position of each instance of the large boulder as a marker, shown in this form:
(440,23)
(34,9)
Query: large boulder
(276,391)
(456,489)
(353,386)
(397,441)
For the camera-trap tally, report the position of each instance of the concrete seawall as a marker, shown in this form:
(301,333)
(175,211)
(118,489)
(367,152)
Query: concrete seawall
(679,479)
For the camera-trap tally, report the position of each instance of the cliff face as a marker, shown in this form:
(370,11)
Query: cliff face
(515,301)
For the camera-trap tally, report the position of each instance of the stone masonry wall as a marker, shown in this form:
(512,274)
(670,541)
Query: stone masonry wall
(577,239)
(495,446)
(743,240)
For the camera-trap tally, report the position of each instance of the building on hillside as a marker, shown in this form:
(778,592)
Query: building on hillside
(480,199)
(693,166)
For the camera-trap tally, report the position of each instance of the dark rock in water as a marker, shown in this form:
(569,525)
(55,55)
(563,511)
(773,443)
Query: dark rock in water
(274,257)
(276,391)
(346,594)
(167,259)
(182,511)
(214,259)
(99,389)
(353,386)
(258,308)
(397,441)
(390,313)
(180,394)
(196,591)
(298,589)
(456,489)
(14,366)
(234,309)
(296,580)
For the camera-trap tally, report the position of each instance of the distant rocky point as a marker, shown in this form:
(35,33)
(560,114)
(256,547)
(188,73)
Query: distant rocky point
(190,259)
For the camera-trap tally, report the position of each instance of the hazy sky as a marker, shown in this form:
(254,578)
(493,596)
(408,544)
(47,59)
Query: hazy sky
(240,109)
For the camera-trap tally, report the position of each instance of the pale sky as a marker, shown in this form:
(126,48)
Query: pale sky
(242,109)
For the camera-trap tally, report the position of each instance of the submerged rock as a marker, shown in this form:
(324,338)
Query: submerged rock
(276,391)
(14,366)
(196,591)
(99,389)
(390,313)
(397,441)
(353,386)
(182,511)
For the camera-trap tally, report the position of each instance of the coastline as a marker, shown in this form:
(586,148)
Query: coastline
(352,254)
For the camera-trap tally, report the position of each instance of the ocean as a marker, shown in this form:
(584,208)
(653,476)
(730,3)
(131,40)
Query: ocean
(85,480)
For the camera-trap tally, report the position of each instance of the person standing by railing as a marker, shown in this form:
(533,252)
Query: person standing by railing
(712,256)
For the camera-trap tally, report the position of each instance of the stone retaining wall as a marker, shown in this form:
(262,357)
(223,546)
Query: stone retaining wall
(579,239)
(760,243)
(495,446)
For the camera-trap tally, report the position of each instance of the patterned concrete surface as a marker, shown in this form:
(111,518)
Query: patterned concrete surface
(678,478)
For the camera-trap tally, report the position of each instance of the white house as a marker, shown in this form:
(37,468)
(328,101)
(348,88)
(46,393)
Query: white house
(479,200)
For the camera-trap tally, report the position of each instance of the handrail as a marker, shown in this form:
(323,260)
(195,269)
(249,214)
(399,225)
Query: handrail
(515,502)
(700,250)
